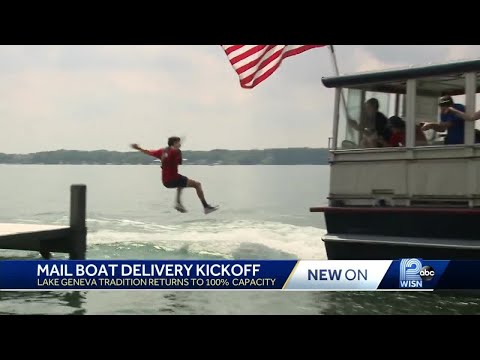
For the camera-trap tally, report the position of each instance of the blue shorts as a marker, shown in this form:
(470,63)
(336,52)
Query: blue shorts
(180,182)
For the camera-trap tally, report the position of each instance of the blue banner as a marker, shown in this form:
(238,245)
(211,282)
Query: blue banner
(419,274)
(316,275)
(130,274)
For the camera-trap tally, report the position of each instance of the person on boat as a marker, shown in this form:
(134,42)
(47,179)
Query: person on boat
(467,117)
(450,121)
(397,126)
(463,115)
(170,158)
(373,125)
(398,133)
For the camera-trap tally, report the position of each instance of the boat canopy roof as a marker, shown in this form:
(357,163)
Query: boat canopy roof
(445,79)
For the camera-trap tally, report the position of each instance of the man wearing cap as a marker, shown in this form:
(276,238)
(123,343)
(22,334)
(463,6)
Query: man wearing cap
(449,121)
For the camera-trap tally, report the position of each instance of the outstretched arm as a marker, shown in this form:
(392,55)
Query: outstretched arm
(440,127)
(159,154)
(353,124)
(137,147)
(464,116)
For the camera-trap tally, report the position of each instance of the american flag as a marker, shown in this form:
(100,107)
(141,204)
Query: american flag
(255,63)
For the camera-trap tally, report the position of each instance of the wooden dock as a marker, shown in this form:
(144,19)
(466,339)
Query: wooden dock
(49,238)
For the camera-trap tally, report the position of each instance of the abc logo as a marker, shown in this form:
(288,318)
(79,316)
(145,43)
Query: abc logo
(427,273)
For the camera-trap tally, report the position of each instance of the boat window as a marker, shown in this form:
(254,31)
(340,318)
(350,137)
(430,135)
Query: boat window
(367,119)
(374,115)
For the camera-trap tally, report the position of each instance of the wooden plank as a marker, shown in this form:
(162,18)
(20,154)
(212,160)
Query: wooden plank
(13,229)
(78,224)
(43,238)
(52,238)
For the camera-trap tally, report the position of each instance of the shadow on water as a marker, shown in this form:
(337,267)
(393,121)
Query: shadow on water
(320,303)
(45,302)
(249,302)
(398,303)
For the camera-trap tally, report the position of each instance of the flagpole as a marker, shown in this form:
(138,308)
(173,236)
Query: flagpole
(337,73)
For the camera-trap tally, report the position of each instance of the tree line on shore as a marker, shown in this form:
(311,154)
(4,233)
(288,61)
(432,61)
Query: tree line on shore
(285,156)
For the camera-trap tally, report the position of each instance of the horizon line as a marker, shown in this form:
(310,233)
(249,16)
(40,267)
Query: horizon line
(133,151)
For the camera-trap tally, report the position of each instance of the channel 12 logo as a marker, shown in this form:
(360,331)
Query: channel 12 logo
(412,273)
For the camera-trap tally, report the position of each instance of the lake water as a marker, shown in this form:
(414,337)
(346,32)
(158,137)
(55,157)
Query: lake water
(264,215)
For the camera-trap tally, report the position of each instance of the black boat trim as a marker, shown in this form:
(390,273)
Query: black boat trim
(402,74)
(367,209)
(395,241)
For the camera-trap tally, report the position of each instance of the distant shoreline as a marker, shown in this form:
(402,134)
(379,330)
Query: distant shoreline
(155,164)
(278,156)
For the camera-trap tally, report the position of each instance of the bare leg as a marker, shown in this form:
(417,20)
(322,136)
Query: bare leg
(178,204)
(179,193)
(198,187)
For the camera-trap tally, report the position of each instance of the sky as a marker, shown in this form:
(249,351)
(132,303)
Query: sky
(82,97)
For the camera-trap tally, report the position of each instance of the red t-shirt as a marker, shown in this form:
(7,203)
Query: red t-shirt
(397,139)
(170,162)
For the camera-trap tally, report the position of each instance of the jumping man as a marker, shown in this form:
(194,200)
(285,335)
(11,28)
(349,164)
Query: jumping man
(171,157)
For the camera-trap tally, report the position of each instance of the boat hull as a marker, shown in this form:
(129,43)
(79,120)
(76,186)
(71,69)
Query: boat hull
(393,233)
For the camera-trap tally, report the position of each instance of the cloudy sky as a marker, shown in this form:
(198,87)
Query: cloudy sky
(106,97)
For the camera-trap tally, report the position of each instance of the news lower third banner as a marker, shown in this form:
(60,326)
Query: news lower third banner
(287,275)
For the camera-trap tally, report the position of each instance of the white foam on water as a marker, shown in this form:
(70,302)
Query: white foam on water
(227,239)
(129,223)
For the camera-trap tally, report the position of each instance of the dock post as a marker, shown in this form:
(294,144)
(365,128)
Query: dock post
(78,224)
